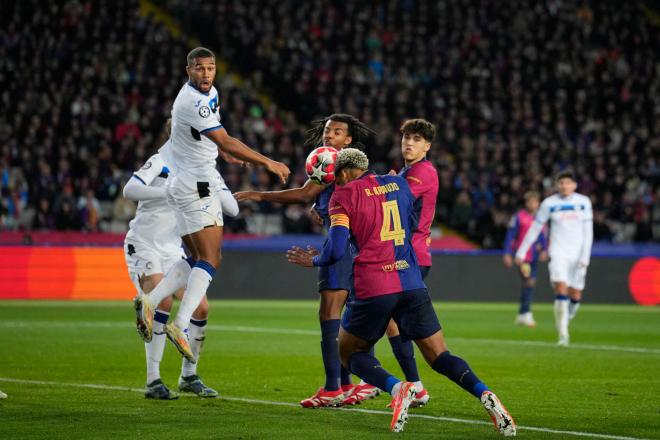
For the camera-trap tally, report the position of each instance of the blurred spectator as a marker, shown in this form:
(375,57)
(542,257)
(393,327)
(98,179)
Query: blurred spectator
(517,89)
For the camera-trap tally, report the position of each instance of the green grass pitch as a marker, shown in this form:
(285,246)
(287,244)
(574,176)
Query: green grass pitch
(76,370)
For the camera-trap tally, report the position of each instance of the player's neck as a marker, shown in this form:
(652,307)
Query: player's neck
(413,162)
(192,84)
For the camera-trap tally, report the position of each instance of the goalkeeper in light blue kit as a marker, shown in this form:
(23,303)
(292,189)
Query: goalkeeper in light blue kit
(571,235)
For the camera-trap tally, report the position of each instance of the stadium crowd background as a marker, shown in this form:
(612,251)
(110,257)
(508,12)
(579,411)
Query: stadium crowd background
(518,90)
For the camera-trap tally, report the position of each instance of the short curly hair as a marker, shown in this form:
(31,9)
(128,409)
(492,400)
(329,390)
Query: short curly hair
(351,158)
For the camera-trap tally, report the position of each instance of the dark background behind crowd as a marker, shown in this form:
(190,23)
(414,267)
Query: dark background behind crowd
(518,90)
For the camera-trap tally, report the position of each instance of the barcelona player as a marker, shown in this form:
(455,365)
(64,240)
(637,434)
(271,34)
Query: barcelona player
(518,227)
(338,131)
(376,213)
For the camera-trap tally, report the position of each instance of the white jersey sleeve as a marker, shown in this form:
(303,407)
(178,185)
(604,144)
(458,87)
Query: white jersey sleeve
(543,214)
(588,232)
(152,168)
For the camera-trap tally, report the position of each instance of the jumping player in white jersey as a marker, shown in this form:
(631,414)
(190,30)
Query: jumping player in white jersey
(152,249)
(571,235)
(196,188)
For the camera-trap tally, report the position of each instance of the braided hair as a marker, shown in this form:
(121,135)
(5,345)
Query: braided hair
(357,130)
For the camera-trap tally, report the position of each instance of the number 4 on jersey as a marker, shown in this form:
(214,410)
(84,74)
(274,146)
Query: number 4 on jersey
(392,229)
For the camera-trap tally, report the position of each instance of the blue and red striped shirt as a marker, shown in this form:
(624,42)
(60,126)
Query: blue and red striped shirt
(378,211)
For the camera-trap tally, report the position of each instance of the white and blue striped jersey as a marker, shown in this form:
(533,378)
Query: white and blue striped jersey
(193,114)
(571,227)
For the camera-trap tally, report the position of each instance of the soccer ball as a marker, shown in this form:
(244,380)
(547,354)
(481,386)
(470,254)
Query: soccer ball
(320,165)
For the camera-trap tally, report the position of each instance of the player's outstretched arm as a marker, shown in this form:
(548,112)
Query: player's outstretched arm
(333,251)
(530,238)
(136,190)
(305,194)
(239,150)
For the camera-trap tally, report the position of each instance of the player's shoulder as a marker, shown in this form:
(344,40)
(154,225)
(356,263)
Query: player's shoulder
(582,198)
(552,200)
(156,164)
(425,167)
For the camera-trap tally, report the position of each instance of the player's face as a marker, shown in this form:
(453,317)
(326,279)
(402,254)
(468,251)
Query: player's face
(414,147)
(532,204)
(566,186)
(335,135)
(202,73)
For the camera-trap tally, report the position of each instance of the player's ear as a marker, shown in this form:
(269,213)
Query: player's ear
(348,141)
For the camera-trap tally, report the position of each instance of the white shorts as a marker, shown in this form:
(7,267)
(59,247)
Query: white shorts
(144,261)
(567,270)
(197,204)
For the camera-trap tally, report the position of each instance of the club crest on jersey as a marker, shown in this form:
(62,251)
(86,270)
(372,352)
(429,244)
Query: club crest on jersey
(204,111)
(214,104)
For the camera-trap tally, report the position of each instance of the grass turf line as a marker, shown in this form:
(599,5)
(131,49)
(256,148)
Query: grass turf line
(575,390)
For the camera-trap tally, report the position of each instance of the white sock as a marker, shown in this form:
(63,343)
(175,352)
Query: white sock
(196,336)
(174,279)
(198,282)
(396,388)
(155,348)
(418,386)
(561,316)
(572,309)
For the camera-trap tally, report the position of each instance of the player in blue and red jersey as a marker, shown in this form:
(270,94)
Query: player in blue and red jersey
(422,177)
(375,213)
(337,131)
(518,227)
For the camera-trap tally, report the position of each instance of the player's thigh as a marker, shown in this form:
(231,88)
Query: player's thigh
(415,315)
(392,329)
(349,344)
(196,206)
(559,268)
(142,262)
(367,319)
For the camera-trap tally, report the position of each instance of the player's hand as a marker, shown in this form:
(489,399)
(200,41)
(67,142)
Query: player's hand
(518,261)
(279,169)
(244,196)
(316,217)
(313,251)
(301,256)
(543,256)
(392,173)
(508,260)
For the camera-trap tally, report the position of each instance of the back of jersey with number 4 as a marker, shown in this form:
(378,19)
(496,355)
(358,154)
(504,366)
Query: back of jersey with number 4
(195,113)
(379,216)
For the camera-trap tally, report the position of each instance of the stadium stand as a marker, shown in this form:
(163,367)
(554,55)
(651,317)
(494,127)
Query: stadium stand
(518,90)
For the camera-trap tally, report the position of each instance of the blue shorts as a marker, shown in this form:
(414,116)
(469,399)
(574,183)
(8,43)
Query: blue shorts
(338,276)
(424,270)
(412,311)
